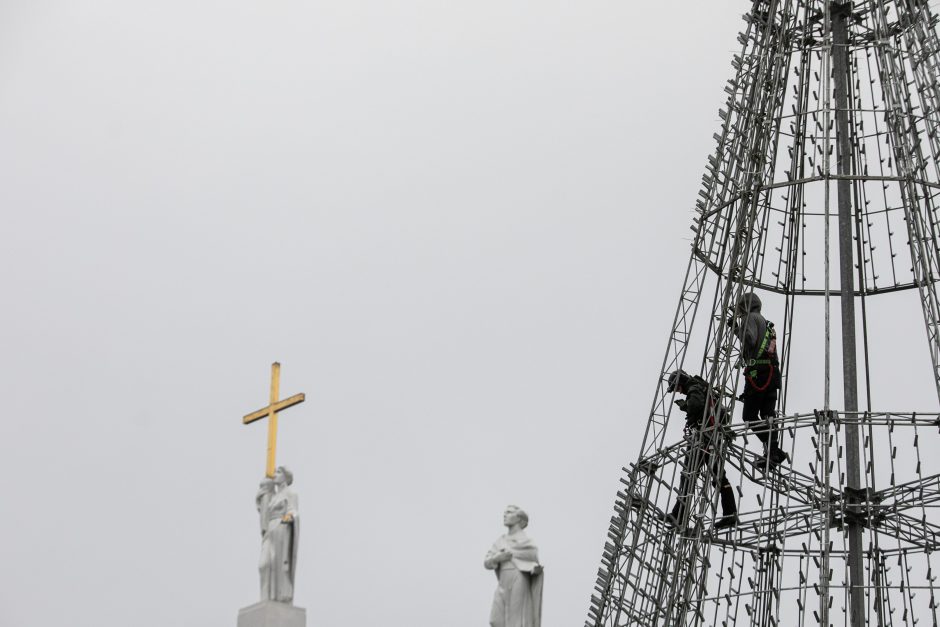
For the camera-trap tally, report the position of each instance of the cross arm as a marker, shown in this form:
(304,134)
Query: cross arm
(273,407)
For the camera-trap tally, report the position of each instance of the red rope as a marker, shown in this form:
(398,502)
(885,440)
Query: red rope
(761,388)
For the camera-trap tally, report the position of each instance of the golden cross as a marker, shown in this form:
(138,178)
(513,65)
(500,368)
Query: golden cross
(270,412)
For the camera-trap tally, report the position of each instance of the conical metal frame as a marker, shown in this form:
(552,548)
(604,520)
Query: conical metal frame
(825,184)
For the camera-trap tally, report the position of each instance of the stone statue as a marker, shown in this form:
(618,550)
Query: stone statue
(515,558)
(280,531)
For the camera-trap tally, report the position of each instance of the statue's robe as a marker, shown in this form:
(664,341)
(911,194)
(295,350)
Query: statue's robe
(518,598)
(278,562)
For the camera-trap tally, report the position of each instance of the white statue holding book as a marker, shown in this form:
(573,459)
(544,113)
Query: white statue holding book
(515,558)
(280,530)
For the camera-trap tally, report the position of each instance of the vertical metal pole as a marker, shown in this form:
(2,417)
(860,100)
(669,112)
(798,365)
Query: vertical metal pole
(825,439)
(841,74)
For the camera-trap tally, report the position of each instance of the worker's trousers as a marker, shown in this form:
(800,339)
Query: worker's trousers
(696,458)
(759,412)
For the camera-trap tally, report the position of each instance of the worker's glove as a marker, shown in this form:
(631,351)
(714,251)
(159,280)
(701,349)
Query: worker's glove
(680,403)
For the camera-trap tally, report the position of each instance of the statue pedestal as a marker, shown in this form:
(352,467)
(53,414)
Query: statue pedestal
(272,614)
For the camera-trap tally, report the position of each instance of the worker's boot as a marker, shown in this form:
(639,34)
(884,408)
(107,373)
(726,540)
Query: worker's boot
(674,518)
(729,510)
(773,455)
(770,459)
(777,456)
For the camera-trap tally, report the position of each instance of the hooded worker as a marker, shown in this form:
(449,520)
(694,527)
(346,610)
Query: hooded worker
(761,374)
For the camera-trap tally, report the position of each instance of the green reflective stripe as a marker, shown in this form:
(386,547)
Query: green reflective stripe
(765,341)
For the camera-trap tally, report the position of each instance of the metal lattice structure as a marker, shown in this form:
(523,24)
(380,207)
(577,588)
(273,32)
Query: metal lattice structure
(824,190)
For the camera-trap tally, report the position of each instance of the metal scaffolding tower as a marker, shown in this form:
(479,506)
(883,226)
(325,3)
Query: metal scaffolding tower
(824,186)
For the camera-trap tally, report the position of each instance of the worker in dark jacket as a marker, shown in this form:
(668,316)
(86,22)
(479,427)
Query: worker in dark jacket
(701,407)
(761,374)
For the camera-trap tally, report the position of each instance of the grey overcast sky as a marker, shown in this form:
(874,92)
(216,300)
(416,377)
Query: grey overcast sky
(460,226)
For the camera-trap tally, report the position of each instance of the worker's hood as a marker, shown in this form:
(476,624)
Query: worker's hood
(748,302)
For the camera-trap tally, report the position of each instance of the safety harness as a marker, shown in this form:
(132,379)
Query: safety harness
(766,356)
